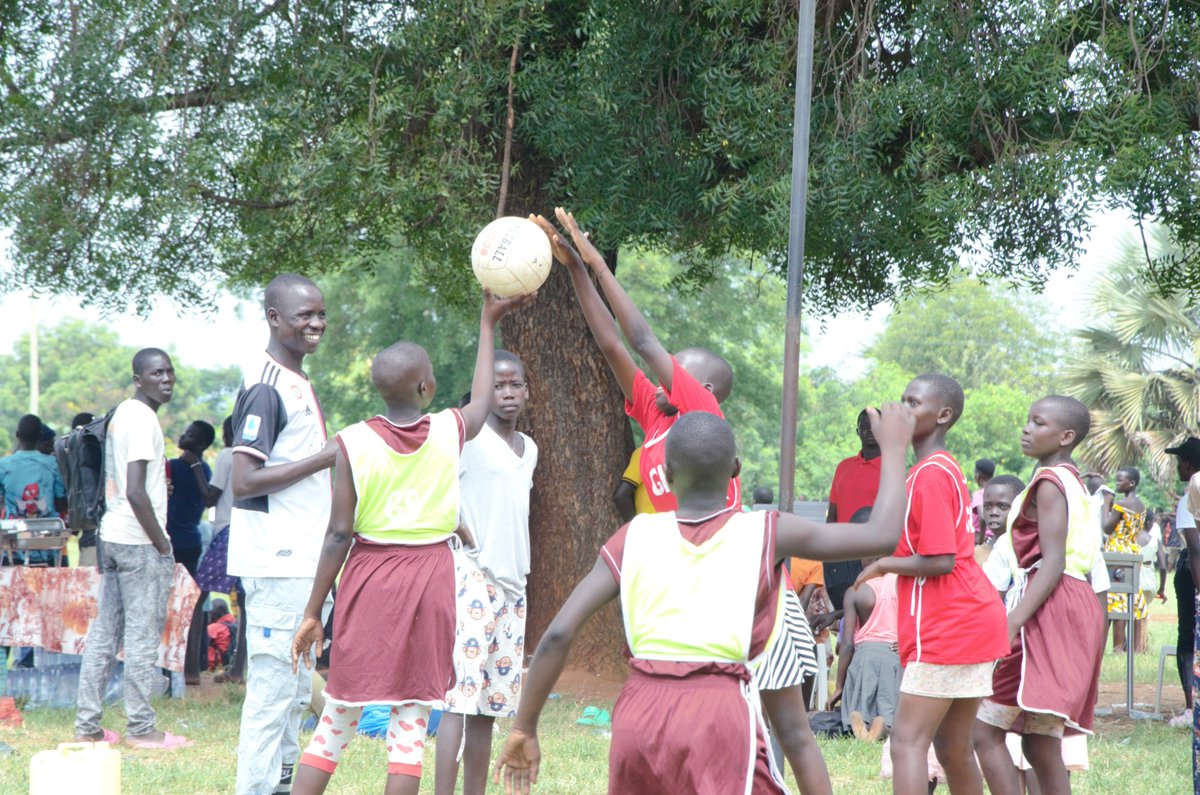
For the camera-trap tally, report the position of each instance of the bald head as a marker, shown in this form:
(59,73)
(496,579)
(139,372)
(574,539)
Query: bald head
(1070,415)
(399,369)
(701,453)
(709,369)
(280,290)
(946,392)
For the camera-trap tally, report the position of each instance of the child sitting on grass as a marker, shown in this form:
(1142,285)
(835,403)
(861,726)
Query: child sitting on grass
(700,597)
(395,507)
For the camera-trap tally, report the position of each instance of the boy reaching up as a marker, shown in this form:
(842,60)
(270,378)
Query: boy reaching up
(689,689)
(951,625)
(395,509)
(694,379)
(1055,625)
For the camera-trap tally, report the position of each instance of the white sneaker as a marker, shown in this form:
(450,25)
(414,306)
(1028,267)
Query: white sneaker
(1182,719)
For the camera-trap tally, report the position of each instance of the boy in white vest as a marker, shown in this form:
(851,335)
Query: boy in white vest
(693,644)
(395,508)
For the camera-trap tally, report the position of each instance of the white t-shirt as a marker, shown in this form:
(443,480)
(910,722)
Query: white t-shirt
(1183,516)
(133,435)
(221,479)
(278,420)
(494,484)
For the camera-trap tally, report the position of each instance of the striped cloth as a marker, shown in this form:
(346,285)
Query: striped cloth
(792,657)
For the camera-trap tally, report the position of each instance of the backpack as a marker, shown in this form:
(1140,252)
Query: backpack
(80,455)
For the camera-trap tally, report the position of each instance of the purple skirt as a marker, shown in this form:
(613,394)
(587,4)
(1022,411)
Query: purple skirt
(210,574)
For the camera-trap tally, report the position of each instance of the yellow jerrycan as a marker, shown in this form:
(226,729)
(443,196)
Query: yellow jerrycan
(77,768)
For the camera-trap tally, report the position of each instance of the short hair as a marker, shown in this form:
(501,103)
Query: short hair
(1012,481)
(227,427)
(219,609)
(862,515)
(204,433)
(29,429)
(1071,413)
(140,359)
(48,433)
(763,495)
(281,285)
(82,418)
(501,355)
(701,448)
(948,391)
(986,467)
(397,367)
(1132,473)
(711,368)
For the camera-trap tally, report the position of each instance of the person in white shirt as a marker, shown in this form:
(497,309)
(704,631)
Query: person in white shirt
(281,501)
(136,562)
(495,477)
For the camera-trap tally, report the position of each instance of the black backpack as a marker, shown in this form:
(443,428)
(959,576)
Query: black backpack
(80,455)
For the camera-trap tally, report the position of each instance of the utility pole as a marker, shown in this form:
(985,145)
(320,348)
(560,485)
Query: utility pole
(34,381)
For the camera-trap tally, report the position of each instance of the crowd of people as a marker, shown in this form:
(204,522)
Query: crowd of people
(406,573)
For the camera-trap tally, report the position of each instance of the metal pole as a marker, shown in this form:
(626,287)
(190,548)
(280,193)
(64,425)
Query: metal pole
(35,388)
(795,274)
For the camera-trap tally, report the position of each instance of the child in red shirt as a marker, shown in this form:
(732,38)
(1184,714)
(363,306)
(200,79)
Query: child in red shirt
(951,626)
(694,379)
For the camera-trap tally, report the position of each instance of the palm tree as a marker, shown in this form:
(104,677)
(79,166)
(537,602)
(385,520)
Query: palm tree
(1137,371)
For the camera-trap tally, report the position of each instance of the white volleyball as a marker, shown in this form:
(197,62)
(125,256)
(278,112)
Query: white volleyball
(511,256)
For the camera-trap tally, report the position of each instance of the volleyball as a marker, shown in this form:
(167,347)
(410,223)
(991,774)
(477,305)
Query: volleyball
(511,256)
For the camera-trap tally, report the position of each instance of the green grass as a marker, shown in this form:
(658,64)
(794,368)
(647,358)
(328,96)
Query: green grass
(1143,757)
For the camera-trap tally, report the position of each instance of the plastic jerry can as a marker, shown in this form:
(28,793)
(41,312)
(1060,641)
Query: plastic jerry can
(80,768)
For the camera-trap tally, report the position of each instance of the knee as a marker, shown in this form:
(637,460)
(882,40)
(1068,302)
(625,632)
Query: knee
(953,749)
(986,736)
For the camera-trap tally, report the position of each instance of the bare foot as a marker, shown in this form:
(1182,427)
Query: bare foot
(89,738)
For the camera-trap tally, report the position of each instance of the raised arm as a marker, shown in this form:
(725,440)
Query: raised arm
(799,537)
(475,413)
(599,321)
(633,325)
(520,758)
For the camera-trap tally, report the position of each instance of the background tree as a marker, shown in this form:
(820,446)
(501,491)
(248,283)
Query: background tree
(1136,368)
(152,147)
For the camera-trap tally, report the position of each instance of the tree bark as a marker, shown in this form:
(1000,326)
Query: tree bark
(576,415)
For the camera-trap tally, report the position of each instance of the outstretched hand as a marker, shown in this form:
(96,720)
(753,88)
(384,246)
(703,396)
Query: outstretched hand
(495,308)
(518,762)
(310,632)
(892,424)
(560,248)
(590,254)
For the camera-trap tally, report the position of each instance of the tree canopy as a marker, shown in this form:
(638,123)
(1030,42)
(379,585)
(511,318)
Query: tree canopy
(148,147)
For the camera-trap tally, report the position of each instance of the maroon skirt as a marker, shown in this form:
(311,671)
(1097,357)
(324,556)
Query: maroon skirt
(694,734)
(393,625)
(1054,664)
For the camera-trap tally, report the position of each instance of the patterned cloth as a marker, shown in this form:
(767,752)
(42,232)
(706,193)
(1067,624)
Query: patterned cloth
(53,608)
(1124,539)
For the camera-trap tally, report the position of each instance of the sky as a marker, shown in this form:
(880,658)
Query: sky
(221,336)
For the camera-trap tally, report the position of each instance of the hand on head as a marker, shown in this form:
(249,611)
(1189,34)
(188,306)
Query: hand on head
(891,425)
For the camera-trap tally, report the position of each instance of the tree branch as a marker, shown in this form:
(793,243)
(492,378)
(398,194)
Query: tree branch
(246,204)
(510,122)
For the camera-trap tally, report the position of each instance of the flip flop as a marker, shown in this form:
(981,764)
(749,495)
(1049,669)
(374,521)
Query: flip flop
(603,719)
(110,737)
(169,741)
(590,714)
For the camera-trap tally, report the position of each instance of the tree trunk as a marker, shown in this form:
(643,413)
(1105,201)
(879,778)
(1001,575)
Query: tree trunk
(577,418)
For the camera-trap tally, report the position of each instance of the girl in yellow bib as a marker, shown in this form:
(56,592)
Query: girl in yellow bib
(701,599)
(395,507)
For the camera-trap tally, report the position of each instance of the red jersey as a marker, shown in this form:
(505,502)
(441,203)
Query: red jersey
(686,394)
(855,485)
(954,619)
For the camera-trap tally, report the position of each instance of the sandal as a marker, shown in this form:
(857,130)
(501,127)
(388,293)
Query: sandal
(604,719)
(590,714)
(110,737)
(169,741)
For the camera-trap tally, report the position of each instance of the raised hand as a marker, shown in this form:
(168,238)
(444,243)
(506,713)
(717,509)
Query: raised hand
(892,424)
(518,761)
(589,253)
(560,248)
(310,632)
(495,308)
